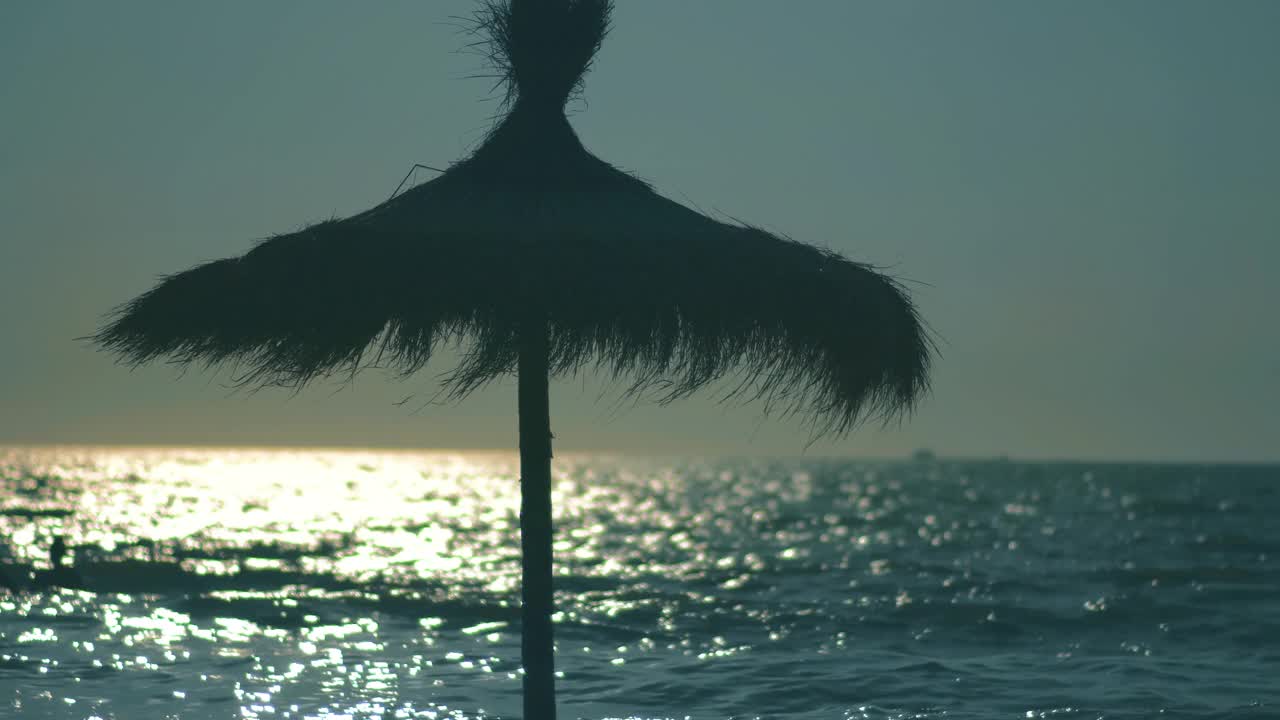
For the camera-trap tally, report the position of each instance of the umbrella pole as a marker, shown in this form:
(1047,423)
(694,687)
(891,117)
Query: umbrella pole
(537,653)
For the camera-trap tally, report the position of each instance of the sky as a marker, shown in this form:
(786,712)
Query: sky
(1082,197)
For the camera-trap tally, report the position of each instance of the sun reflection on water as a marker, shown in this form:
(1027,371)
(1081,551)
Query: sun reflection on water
(227,554)
(291,584)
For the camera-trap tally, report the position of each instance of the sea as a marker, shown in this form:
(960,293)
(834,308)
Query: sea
(276,583)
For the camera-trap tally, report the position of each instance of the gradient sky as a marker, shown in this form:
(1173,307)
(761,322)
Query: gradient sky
(1086,194)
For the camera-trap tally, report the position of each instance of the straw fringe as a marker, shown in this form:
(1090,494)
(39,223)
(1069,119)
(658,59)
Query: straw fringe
(533,228)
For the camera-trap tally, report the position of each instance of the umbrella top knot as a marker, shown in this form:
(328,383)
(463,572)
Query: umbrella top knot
(542,48)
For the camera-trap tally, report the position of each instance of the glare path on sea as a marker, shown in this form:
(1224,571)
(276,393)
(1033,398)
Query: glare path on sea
(348,584)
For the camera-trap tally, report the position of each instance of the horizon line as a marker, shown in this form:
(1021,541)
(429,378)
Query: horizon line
(905,457)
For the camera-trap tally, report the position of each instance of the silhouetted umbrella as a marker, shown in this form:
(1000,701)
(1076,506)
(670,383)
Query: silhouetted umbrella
(546,260)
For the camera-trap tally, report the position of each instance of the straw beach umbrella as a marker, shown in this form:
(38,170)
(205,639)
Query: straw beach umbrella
(543,260)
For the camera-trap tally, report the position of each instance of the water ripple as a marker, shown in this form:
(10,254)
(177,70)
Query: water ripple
(290,584)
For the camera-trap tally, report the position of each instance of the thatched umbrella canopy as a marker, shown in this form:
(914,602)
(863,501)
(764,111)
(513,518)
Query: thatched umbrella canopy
(544,260)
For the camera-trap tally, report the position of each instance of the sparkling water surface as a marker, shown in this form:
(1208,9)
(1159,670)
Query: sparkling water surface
(333,584)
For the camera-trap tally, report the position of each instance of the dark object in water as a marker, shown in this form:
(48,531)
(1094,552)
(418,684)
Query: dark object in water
(29,513)
(59,577)
(58,552)
(546,260)
(924,455)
